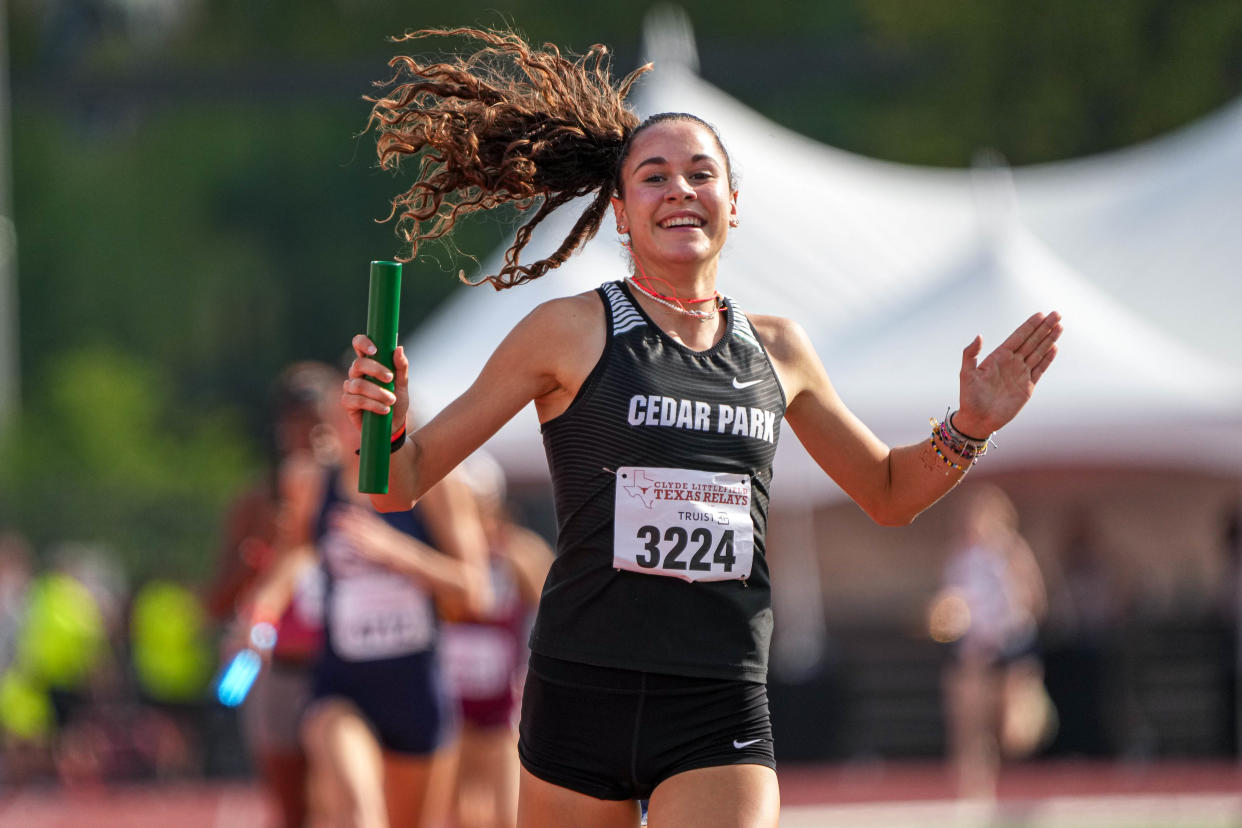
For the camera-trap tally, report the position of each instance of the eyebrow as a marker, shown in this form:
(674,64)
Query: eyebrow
(659,159)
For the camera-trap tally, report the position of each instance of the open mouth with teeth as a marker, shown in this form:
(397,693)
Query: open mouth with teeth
(682,221)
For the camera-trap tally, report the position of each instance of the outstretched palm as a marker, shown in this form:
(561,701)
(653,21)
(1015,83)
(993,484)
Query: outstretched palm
(993,391)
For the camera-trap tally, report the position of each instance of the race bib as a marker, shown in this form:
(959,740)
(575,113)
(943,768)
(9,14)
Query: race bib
(380,616)
(683,523)
(478,660)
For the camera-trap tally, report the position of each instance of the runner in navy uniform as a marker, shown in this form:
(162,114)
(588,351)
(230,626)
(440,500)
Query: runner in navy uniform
(661,404)
(381,721)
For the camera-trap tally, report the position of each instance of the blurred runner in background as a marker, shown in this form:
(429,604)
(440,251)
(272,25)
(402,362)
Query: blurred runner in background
(380,729)
(989,609)
(486,659)
(268,574)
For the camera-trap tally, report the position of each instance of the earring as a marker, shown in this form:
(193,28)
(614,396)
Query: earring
(734,222)
(622,229)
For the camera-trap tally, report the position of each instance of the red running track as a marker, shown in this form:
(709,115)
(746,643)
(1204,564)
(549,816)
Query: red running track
(905,781)
(242,805)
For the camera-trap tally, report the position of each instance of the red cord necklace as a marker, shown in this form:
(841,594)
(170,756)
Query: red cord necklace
(673,302)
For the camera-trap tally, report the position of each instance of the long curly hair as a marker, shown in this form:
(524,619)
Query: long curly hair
(505,124)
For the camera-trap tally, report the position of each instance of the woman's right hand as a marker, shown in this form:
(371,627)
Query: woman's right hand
(361,394)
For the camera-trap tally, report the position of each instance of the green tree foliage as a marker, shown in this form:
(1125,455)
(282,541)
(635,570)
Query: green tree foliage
(1049,80)
(104,452)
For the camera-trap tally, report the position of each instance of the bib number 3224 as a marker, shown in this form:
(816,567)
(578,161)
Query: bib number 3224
(683,523)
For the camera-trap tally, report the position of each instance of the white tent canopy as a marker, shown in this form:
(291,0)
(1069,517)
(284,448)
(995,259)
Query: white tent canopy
(893,269)
(1155,225)
(1119,388)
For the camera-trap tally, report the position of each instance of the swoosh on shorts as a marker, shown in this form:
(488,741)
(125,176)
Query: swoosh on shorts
(739,745)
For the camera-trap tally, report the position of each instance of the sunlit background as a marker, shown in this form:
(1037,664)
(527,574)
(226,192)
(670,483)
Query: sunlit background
(189,201)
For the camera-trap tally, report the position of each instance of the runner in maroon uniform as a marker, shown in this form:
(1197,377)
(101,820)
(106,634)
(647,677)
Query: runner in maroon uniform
(486,658)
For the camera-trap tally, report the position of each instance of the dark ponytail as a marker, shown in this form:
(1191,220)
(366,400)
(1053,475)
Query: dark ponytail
(507,124)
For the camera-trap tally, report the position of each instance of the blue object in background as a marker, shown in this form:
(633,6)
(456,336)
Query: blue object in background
(237,679)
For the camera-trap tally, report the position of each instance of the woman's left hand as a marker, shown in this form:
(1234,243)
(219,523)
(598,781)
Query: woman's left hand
(993,391)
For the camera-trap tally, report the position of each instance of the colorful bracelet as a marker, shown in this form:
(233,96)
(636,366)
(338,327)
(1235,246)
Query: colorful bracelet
(948,462)
(967,447)
(948,419)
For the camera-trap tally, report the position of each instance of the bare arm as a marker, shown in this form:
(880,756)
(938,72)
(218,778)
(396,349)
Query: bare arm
(452,514)
(300,488)
(1029,577)
(454,571)
(893,485)
(274,590)
(530,558)
(544,358)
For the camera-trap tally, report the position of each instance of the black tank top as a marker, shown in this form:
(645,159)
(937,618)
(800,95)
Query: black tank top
(680,416)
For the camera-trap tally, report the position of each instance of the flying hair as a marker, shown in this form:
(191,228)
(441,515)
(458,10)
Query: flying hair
(505,124)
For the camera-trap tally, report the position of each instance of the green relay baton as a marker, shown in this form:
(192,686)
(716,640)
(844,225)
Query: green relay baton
(382,308)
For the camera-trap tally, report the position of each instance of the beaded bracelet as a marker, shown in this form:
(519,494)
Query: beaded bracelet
(966,447)
(948,420)
(948,462)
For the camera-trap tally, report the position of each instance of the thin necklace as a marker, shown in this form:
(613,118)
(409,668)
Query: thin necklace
(701,315)
(673,303)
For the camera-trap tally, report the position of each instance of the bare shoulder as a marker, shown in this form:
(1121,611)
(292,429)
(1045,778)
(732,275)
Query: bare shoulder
(570,315)
(549,353)
(784,339)
(526,542)
(792,354)
(555,329)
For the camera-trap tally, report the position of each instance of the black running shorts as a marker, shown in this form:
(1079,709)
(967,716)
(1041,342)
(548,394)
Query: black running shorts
(617,734)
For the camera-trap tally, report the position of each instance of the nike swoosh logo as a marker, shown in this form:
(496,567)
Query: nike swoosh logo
(740,385)
(746,744)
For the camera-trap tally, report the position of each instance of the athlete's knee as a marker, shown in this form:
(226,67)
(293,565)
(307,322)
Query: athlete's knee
(328,716)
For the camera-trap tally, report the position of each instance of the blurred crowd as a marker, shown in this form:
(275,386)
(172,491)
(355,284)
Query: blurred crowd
(98,682)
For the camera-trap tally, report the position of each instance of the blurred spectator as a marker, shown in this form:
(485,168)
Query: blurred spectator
(485,658)
(66,654)
(172,661)
(170,654)
(63,640)
(1086,612)
(14,579)
(1229,614)
(27,719)
(989,609)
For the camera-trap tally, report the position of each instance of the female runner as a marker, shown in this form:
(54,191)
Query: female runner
(380,727)
(661,402)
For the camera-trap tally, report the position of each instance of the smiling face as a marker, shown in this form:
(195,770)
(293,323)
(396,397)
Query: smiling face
(675,199)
